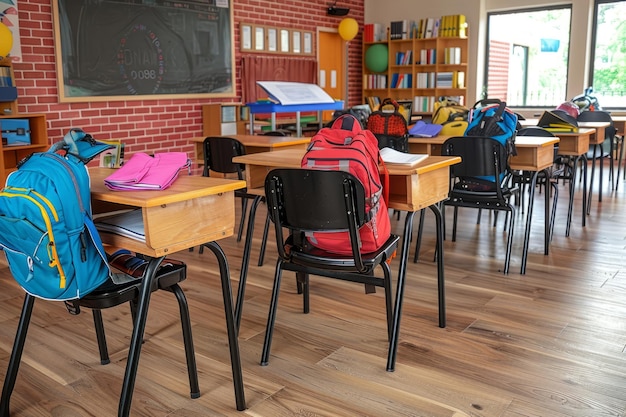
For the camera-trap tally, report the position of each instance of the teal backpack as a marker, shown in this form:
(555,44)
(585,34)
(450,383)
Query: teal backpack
(492,118)
(46,228)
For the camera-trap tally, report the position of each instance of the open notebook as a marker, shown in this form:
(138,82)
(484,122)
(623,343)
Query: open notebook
(391,156)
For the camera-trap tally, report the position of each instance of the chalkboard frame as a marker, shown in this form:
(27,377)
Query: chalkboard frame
(218,82)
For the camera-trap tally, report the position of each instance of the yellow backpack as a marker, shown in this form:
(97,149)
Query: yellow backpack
(451,116)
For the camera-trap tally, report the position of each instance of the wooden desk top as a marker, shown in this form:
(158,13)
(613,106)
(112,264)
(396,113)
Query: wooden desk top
(194,210)
(410,188)
(186,187)
(265,141)
(535,141)
(291,158)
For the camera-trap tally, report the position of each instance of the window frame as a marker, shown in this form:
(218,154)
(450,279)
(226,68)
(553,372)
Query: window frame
(592,46)
(526,10)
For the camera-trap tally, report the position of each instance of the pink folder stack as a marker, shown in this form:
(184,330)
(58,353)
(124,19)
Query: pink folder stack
(145,172)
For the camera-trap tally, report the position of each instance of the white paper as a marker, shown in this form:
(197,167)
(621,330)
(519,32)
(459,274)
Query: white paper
(391,156)
(287,93)
(322,78)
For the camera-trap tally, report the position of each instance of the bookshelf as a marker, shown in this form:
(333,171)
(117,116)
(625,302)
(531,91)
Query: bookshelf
(12,154)
(219,119)
(8,91)
(419,68)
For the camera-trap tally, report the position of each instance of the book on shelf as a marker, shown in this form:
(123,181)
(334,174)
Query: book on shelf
(373,102)
(374,32)
(393,157)
(423,104)
(444,79)
(452,56)
(453,26)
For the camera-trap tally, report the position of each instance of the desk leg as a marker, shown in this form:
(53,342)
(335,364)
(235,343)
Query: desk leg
(593,169)
(298,125)
(572,185)
(404,258)
(137,337)
(231,329)
(245,261)
(440,276)
(529,216)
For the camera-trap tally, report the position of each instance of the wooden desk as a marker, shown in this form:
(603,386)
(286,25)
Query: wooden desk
(535,154)
(169,228)
(430,146)
(255,144)
(410,189)
(274,108)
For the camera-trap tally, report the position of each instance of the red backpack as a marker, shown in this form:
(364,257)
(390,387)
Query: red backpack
(345,146)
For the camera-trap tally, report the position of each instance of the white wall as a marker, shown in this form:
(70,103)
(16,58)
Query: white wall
(475,12)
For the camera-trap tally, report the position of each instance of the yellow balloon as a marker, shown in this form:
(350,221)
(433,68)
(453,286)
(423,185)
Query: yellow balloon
(6,40)
(348,28)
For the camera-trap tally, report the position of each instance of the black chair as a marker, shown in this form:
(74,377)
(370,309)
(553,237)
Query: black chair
(481,157)
(603,150)
(302,200)
(110,294)
(219,152)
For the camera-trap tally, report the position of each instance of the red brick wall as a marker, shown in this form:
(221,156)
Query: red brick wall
(153,125)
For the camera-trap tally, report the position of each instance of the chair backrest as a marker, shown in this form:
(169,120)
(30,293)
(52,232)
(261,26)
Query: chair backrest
(306,200)
(534,131)
(599,116)
(219,152)
(480,157)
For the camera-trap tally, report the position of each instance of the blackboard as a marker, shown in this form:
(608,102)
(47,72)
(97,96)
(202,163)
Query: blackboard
(124,49)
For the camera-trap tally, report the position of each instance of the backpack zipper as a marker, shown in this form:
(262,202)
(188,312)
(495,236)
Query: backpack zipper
(11,192)
(66,165)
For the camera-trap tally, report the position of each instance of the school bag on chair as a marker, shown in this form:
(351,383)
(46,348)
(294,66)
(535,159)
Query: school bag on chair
(46,229)
(492,118)
(389,126)
(345,146)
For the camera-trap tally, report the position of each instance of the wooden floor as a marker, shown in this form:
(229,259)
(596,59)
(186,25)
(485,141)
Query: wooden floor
(549,343)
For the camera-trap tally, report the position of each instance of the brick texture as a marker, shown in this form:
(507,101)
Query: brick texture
(154,125)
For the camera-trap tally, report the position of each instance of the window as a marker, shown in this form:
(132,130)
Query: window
(527,56)
(608,73)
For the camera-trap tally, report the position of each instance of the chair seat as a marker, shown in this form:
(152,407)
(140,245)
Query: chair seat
(315,257)
(480,194)
(111,294)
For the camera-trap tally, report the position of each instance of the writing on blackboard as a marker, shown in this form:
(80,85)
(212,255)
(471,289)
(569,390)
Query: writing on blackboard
(144,47)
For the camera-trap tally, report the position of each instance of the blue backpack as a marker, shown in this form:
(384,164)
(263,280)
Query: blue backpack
(491,118)
(46,229)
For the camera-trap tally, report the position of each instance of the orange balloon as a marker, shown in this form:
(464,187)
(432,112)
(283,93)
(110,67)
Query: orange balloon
(348,29)
(6,40)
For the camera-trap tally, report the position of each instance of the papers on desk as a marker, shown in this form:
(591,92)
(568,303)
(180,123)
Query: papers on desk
(128,224)
(555,121)
(287,93)
(391,156)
